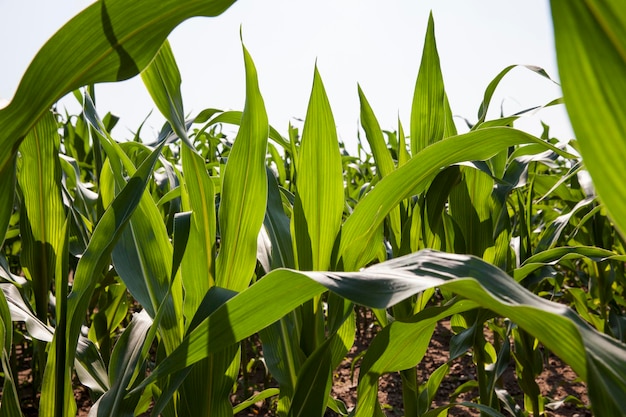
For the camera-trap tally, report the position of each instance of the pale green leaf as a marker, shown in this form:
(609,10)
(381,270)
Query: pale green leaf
(319,179)
(430,111)
(244,190)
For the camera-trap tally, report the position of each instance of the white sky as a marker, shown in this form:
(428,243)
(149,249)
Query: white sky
(377,44)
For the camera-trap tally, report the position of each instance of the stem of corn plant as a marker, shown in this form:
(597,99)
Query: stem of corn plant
(410,383)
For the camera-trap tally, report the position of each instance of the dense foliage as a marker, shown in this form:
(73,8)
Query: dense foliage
(140,266)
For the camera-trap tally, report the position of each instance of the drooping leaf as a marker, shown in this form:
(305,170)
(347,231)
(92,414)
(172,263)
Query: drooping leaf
(360,230)
(384,285)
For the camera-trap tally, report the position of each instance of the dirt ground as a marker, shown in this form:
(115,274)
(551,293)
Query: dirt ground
(557,381)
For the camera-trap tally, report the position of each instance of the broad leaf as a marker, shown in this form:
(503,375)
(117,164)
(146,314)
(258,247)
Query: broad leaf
(590,39)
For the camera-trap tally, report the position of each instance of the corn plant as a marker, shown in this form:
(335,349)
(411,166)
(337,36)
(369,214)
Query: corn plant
(163,255)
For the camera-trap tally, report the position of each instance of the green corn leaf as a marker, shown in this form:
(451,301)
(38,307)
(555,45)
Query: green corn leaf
(491,88)
(61,284)
(374,135)
(471,209)
(142,255)
(90,367)
(244,190)
(360,230)
(403,153)
(314,383)
(125,358)
(263,395)
(384,162)
(591,355)
(562,254)
(20,311)
(430,111)
(10,406)
(319,178)
(7,193)
(88,272)
(115,40)
(430,388)
(277,225)
(399,346)
(590,39)
(198,269)
(234,117)
(43,214)
(162,79)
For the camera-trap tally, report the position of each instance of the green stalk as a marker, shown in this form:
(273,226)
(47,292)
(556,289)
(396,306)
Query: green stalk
(410,383)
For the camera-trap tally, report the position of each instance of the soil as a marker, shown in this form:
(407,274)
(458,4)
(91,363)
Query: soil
(557,381)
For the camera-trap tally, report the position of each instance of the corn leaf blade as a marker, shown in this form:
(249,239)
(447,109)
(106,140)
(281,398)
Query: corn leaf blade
(590,39)
(244,190)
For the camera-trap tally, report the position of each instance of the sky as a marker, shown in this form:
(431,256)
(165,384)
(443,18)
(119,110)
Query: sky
(375,44)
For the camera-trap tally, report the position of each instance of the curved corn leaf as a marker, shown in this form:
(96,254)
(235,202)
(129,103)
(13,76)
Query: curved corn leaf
(277,226)
(110,40)
(557,255)
(20,311)
(360,230)
(590,39)
(263,395)
(233,117)
(398,346)
(115,40)
(124,359)
(374,135)
(592,355)
(162,79)
(491,88)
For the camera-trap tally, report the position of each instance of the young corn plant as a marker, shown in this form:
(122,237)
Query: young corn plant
(199,237)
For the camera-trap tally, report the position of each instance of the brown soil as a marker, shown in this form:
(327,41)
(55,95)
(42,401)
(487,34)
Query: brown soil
(557,381)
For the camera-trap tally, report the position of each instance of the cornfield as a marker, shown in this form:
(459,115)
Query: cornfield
(135,269)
